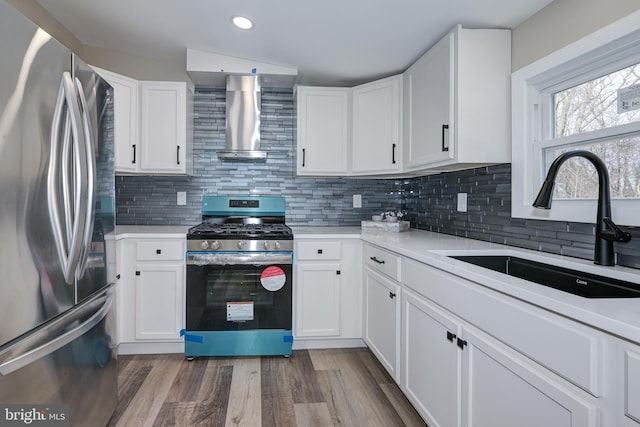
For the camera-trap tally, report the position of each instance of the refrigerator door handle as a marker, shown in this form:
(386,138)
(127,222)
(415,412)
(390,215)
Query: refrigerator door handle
(67,231)
(33,354)
(89,179)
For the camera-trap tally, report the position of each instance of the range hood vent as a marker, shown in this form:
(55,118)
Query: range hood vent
(242,139)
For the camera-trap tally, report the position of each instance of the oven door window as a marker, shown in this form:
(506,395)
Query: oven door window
(237,297)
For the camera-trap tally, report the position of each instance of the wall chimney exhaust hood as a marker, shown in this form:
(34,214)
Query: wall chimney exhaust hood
(242,137)
(243,80)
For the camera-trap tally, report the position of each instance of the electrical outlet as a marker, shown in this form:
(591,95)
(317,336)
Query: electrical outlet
(357,200)
(181,198)
(462,202)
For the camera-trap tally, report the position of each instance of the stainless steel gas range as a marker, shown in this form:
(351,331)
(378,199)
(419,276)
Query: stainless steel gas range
(239,279)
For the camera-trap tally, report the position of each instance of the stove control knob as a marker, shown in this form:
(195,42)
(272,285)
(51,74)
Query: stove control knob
(276,245)
(215,245)
(242,244)
(204,245)
(266,244)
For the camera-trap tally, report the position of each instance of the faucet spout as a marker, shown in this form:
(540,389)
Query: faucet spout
(606,231)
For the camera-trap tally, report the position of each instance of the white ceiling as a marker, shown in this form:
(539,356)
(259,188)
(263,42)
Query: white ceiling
(330,42)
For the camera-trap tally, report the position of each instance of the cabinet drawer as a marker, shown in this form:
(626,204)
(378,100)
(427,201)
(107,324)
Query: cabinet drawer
(318,250)
(157,250)
(383,261)
(568,348)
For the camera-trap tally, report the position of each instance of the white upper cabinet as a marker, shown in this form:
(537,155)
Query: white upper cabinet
(323,130)
(457,102)
(166,117)
(125,121)
(377,111)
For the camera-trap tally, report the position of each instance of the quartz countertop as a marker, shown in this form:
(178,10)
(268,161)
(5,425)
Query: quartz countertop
(160,231)
(619,316)
(325,232)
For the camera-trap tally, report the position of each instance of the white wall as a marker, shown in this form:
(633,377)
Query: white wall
(136,67)
(563,22)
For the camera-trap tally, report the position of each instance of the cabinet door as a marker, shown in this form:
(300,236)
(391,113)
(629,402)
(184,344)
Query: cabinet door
(159,301)
(163,127)
(125,121)
(501,388)
(376,127)
(318,300)
(382,320)
(431,360)
(628,383)
(429,106)
(323,130)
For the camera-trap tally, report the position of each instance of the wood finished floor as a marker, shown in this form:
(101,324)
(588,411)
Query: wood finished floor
(333,387)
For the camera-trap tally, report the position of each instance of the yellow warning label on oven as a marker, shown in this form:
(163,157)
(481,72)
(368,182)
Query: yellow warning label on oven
(239,311)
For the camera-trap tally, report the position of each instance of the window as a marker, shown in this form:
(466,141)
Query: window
(585,96)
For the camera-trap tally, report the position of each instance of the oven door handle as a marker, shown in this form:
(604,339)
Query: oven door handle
(239,258)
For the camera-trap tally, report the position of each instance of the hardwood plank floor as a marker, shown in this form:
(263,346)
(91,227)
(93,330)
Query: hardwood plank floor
(332,387)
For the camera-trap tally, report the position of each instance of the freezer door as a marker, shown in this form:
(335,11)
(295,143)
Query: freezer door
(70,360)
(96,102)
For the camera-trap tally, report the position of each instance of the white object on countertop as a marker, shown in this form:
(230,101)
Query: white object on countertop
(396,226)
(376,218)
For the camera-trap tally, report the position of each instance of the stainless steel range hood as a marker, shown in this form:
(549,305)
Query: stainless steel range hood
(242,140)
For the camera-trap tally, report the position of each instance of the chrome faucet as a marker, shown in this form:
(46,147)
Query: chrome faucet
(606,231)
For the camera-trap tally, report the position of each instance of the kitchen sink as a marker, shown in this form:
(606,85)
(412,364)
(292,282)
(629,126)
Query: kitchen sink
(573,281)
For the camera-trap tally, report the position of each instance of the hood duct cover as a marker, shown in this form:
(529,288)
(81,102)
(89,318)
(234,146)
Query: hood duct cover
(242,141)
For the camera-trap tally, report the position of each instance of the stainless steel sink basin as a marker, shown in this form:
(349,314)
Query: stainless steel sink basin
(576,282)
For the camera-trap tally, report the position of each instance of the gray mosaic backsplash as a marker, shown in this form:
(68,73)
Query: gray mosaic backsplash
(430,201)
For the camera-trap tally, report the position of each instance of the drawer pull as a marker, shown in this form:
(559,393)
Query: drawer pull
(451,336)
(374,259)
(392,295)
(158,251)
(320,251)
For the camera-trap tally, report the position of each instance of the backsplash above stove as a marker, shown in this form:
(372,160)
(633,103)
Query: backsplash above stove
(430,201)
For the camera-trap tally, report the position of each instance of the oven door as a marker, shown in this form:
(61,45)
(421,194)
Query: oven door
(230,292)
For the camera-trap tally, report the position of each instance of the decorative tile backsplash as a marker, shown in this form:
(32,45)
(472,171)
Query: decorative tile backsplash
(430,201)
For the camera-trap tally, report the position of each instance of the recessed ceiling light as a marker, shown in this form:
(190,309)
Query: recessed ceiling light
(242,22)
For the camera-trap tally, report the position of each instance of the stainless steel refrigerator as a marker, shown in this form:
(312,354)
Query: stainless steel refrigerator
(57,325)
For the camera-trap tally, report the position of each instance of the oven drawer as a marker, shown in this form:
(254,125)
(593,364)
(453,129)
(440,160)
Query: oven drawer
(383,261)
(160,250)
(318,250)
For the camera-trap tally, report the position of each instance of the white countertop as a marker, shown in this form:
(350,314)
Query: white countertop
(619,316)
(326,232)
(159,231)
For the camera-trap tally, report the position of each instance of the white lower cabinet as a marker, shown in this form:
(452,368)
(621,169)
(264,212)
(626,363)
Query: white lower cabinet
(382,319)
(151,296)
(431,362)
(502,388)
(327,292)
(628,380)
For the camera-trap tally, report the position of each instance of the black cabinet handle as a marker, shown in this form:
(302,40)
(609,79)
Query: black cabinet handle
(393,153)
(158,251)
(451,336)
(461,343)
(444,147)
(319,251)
(374,259)
(304,156)
(137,273)
(178,155)
(392,295)
(134,153)
(338,272)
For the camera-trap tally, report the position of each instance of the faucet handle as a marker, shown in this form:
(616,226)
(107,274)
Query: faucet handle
(614,233)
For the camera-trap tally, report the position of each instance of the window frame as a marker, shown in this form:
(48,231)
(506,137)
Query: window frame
(610,48)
